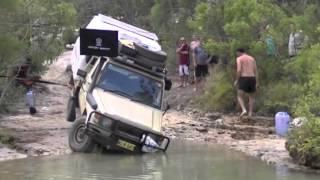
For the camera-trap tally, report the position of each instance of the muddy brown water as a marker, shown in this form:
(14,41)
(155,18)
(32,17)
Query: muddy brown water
(183,161)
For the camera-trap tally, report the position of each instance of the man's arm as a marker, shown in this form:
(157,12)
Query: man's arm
(238,70)
(256,74)
(184,52)
(238,74)
(194,57)
(178,50)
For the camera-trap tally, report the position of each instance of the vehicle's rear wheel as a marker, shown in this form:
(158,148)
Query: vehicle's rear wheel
(78,140)
(71,110)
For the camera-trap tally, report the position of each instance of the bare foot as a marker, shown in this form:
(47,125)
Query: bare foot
(243,113)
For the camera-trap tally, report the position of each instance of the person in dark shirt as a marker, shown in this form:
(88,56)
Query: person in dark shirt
(22,76)
(183,52)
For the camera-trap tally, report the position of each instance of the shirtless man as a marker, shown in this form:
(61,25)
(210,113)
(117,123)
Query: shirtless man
(246,80)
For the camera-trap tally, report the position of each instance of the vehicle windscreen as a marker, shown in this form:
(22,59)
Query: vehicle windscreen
(132,85)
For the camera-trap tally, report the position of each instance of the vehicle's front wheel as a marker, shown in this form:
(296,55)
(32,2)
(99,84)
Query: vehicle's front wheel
(78,140)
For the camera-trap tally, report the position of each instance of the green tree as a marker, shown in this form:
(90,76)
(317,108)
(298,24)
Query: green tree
(169,19)
(227,25)
(32,28)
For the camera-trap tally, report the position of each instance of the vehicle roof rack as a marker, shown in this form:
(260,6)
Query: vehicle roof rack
(130,61)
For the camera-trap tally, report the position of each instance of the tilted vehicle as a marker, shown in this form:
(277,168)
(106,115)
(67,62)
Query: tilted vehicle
(119,99)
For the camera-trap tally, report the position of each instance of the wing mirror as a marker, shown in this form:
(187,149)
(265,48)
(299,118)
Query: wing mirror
(81,73)
(167,84)
(92,102)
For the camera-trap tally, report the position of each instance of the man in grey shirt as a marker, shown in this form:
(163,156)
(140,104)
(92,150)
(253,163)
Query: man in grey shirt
(200,62)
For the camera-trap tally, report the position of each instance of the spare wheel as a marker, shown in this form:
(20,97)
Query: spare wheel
(158,56)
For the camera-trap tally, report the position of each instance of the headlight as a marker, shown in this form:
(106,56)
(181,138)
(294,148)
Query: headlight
(106,123)
(96,118)
(101,120)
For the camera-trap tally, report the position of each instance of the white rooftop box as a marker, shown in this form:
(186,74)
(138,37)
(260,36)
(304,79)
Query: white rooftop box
(125,32)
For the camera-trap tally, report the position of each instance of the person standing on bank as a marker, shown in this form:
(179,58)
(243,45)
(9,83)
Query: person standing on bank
(183,51)
(246,80)
(195,42)
(200,62)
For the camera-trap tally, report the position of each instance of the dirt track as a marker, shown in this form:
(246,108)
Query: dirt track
(46,132)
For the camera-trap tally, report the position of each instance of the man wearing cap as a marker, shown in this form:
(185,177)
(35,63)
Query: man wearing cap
(183,52)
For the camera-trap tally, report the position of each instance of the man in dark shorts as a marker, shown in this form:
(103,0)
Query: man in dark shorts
(200,61)
(246,80)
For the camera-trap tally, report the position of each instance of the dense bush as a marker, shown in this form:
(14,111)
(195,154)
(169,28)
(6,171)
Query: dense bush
(219,89)
(304,143)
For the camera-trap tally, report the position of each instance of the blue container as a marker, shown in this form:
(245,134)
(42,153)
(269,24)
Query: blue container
(282,123)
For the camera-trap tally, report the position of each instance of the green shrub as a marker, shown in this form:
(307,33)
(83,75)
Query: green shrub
(9,95)
(220,94)
(69,36)
(278,96)
(303,143)
(6,139)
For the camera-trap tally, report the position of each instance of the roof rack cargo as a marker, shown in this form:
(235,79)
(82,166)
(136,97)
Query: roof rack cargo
(145,50)
(131,61)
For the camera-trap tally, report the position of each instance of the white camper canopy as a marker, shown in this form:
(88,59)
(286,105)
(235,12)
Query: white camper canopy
(125,32)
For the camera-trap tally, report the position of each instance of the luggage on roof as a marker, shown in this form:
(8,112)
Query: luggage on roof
(140,45)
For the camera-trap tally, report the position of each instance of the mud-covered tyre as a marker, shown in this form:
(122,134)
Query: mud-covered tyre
(157,56)
(71,110)
(78,140)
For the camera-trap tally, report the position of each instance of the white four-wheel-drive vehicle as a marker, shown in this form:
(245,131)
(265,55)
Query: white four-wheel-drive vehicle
(119,100)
